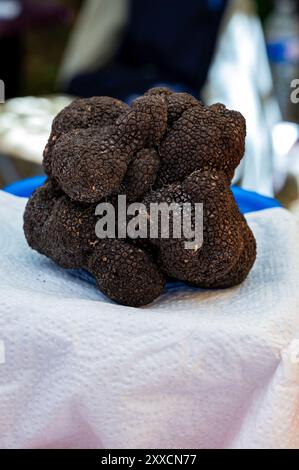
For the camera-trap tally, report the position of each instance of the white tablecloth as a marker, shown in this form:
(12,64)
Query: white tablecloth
(196,369)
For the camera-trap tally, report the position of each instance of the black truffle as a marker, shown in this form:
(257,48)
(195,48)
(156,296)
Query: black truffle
(166,148)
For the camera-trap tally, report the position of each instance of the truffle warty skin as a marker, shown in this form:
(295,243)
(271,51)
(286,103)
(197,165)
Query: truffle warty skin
(165,147)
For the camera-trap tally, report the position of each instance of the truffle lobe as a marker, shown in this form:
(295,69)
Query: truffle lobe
(126,273)
(59,228)
(98,111)
(202,138)
(141,174)
(145,124)
(228,250)
(88,164)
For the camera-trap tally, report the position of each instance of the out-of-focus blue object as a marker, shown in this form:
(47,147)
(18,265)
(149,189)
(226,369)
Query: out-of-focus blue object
(25,188)
(247,201)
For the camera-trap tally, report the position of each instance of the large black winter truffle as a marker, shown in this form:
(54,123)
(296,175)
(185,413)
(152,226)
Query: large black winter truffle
(165,148)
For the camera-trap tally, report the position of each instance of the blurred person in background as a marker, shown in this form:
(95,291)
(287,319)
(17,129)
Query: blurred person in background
(17,19)
(10,47)
(147,42)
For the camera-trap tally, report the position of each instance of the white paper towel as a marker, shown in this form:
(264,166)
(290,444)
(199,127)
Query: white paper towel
(196,369)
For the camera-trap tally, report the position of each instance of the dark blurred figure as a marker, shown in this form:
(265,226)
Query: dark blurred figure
(165,42)
(17,17)
(10,47)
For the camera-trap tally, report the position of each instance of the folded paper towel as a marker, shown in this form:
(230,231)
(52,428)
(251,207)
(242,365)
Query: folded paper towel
(196,369)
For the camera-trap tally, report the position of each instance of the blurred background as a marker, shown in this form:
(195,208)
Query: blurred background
(244,53)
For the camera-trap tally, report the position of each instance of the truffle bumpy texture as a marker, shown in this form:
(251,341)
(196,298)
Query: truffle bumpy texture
(165,148)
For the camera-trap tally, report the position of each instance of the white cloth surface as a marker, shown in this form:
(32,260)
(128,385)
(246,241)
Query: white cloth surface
(196,369)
